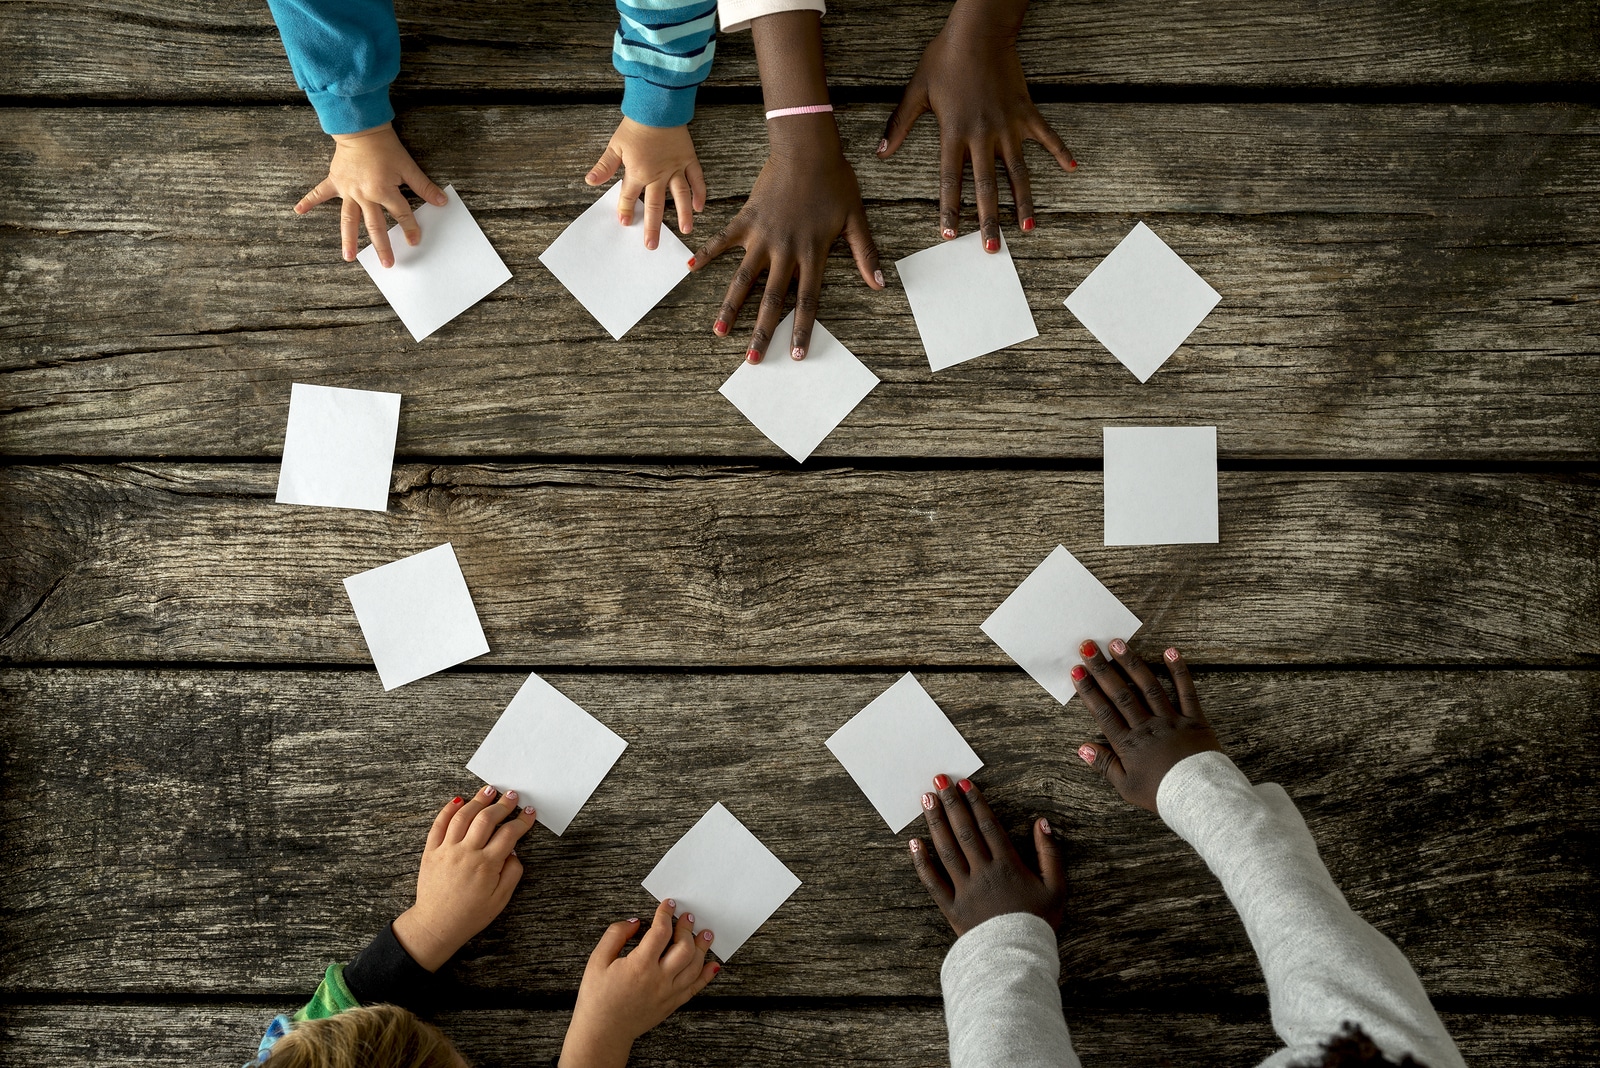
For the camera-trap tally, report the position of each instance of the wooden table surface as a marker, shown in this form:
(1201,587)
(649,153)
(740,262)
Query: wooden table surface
(207,796)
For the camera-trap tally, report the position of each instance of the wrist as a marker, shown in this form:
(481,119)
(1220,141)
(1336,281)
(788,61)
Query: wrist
(426,946)
(589,1046)
(371,131)
(796,138)
(990,20)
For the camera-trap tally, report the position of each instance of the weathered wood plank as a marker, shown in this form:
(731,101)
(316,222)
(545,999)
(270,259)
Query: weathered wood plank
(1399,282)
(265,823)
(696,566)
(151,1036)
(160,49)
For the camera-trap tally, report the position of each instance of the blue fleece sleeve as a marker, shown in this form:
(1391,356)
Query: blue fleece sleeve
(344,54)
(663,51)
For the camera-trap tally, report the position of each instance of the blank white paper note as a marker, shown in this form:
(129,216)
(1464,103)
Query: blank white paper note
(416,615)
(896,745)
(798,403)
(1142,302)
(338,449)
(1045,619)
(724,875)
(606,266)
(966,301)
(1160,484)
(449,271)
(550,751)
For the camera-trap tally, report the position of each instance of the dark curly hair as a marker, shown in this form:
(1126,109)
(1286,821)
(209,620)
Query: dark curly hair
(1353,1047)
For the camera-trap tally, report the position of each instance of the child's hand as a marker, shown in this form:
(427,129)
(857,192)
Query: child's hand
(971,79)
(468,872)
(978,873)
(621,998)
(654,160)
(1147,737)
(367,172)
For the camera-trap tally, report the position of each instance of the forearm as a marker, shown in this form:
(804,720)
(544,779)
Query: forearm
(344,54)
(1002,1001)
(988,18)
(789,54)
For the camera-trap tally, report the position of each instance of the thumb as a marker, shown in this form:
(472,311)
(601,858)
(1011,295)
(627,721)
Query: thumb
(911,107)
(423,186)
(1104,759)
(602,171)
(1052,866)
(611,943)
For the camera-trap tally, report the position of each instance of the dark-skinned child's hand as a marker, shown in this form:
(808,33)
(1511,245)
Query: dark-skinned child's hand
(974,873)
(971,79)
(1147,737)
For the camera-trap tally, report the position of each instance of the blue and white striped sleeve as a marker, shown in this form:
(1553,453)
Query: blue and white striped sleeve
(663,51)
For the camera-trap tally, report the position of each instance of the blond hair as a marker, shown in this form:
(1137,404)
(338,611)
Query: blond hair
(379,1036)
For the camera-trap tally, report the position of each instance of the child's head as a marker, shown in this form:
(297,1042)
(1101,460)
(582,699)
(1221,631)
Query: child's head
(382,1036)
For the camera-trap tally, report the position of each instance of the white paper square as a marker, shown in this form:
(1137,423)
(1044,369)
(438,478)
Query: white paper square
(452,268)
(724,875)
(606,266)
(338,449)
(797,403)
(966,302)
(1160,485)
(416,616)
(1045,619)
(550,751)
(1142,302)
(896,745)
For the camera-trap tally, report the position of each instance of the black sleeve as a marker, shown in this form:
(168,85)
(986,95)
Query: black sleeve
(385,973)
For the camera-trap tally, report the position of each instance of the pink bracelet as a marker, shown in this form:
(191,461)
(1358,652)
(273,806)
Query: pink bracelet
(809,109)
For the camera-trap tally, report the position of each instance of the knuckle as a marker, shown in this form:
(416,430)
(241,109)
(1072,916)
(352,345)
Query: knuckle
(807,303)
(743,276)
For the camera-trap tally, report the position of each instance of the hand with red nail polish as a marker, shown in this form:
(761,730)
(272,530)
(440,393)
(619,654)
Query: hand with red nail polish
(655,160)
(971,79)
(804,198)
(973,872)
(369,169)
(1146,734)
(622,997)
(469,868)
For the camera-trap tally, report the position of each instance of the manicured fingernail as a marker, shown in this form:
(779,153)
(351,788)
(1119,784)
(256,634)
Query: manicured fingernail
(1087,753)
(1118,646)
(883,146)
(1088,649)
(797,353)
(455,800)
(1072,164)
(528,811)
(691,263)
(753,356)
(670,903)
(916,844)
(927,801)
(706,937)
(1044,825)
(715,968)
(1079,672)
(877,276)
(948,233)
(489,792)
(633,919)
(1171,655)
(719,328)
(511,796)
(690,917)
(966,786)
(991,244)
(1027,224)
(941,782)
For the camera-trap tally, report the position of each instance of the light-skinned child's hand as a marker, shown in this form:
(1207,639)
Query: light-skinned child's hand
(974,873)
(622,997)
(469,868)
(971,78)
(1146,736)
(367,172)
(655,160)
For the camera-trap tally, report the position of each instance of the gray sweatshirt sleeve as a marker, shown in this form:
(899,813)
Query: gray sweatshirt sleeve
(1324,965)
(1002,1001)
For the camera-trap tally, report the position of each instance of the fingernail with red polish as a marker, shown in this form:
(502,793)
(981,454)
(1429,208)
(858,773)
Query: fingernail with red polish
(941,782)
(455,800)
(1088,649)
(1087,753)
(927,801)
(1072,164)
(715,968)
(719,328)
(1079,672)
(753,356)
(992,244)
(1027,224)
(691,263)
(1118,646)
(966,786)
(1171,655)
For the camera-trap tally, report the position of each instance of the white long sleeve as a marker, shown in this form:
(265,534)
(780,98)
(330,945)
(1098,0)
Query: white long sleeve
(1002,996)
(1324,965)
(735,15)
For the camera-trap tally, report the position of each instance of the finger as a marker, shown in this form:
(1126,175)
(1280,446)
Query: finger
(628,200)
(913,105)
(400,211)
(944,840)
(506,836)
(349,228)
(1021,187)
(1100,706)
(1113,684)
(464,817)
(682,949)
(1183,682)
(483,825)
(1155,698)
(708,972)
(807,299)
(693,970)
(655,206)
(769,313)
(323,193)
(744,276)
(612,942)
(697,182)
(681,200)
(865,250)
(962,825)
(377,232)
(1052,865)
(986,185)
(994,835)
(952,161)
(604,167)
(932,876)
(423,186)
(441,823)
(1042,132)
(1105,760)
(510,876)
(655,940)
(726,238)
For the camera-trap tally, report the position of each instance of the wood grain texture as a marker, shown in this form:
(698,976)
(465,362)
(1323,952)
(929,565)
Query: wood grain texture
(697,566)
(165,49)
(1399,282)
(266,823)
